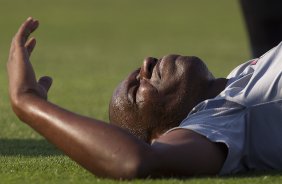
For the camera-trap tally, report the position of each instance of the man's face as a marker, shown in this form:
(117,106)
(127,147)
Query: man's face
(159,95)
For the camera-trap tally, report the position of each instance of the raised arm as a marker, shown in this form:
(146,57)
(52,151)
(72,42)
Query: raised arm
(103,149)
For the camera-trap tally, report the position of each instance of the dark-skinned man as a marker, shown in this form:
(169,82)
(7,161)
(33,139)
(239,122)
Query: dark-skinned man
(170,117)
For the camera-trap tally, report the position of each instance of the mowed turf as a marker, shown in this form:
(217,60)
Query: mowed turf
(88,47)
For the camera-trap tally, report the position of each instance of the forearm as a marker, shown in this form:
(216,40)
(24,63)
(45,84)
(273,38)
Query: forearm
(103,149)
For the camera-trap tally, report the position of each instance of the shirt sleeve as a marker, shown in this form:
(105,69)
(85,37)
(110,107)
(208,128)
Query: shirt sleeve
(257,81)
(266,82)
(220,121)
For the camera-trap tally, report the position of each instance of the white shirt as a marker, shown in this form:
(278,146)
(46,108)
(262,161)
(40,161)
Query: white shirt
(246,116)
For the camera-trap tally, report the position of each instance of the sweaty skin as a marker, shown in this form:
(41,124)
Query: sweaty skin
(105,149)
(160,94)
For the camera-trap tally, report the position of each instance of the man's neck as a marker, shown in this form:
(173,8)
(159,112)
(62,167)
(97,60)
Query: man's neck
(216,86)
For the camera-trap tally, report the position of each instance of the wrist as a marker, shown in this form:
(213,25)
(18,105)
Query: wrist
(21,103)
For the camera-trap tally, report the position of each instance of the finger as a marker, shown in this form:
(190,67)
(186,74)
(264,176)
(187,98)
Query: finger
(30,44)
(25,30)
(45,82)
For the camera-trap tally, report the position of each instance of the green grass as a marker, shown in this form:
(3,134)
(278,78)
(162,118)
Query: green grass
(88,47)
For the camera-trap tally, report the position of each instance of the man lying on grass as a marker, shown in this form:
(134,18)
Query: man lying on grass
(170,117)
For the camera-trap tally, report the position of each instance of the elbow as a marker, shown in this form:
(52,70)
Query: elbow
(138,169)
(131,168)
(143,165)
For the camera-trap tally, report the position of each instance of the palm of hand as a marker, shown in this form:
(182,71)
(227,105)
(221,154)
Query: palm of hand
(21,75)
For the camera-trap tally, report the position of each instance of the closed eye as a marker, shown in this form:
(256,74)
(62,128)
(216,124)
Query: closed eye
(135,90)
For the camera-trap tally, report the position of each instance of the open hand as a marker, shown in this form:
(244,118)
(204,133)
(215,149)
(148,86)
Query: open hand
(21,75)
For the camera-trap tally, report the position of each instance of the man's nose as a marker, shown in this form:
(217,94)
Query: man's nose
(147,67)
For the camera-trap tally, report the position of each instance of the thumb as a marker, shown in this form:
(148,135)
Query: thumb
(45,82)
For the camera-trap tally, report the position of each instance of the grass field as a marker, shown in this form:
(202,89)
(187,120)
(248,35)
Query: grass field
(88,46)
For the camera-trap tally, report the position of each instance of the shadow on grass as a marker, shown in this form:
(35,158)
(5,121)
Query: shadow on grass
(27,147)
(254,174)
(247,177)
